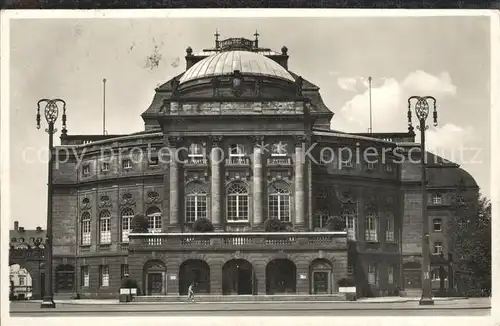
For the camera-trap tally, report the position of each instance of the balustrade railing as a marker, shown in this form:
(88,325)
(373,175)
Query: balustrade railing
(239,160)
(279,161)
(283,240)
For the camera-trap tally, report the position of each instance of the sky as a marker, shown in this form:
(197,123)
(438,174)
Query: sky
(444,57)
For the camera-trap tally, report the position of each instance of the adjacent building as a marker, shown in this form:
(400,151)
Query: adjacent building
(238,139)
(23,267)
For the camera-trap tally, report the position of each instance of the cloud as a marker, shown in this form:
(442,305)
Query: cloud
(389,110)
(347,83)
(389,98)
(452,142)
(428,84)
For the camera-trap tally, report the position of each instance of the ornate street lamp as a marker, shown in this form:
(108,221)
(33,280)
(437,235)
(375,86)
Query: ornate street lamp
(51,112)
(422,112)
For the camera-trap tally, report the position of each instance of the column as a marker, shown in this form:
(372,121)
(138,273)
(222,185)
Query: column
(299,182)
(257,181)
(174,183)
(216,156)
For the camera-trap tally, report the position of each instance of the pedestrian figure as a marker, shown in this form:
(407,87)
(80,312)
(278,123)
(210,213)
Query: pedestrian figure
(191,292)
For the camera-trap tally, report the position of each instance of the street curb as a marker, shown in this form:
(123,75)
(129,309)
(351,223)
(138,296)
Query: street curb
(42,312)
(249,302)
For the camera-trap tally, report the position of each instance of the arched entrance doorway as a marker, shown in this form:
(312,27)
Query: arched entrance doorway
(321,276)
(281,277)
(155,278)
(194,270)
(65,278)
(21,283)
(238,277)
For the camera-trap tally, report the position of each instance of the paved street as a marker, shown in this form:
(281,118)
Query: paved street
(463,307)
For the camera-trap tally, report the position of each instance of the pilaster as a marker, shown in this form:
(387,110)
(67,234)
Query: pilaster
(216,155)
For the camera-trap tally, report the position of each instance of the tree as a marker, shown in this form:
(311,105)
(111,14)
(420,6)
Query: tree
(274,225)
(471,241)
(203,225)
(140,224)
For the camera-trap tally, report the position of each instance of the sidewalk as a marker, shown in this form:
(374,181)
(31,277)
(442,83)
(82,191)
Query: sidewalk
(361,300)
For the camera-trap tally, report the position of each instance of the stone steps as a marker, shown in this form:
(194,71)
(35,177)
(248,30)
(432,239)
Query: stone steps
(242,298)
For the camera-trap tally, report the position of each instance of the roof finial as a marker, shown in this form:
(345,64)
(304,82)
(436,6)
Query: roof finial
(216,38)
(256,34)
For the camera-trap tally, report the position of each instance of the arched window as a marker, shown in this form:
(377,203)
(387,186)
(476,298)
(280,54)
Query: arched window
(105,227)
(349,217)
(279,201)
(195,201)
(371,227)
(154,219)
(237,202)
(438,248)
(86,229)
(127,216)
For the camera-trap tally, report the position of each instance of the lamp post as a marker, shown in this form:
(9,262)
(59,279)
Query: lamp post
(51,112)
(422,112)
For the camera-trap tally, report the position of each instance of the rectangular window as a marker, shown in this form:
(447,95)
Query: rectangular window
(350,269)
(105,166)
(320,220)
(388,167)
(86,232)
(126,226)
(86,169)
(370,166)
(279,149)
(390,274)
(279,207)
(237,207)
(389,232)
(124,271)
(371,228)
(126,163)
(21,280)
(437,199)
(154,223)
(351,227)
(105,228)
(196,207)
(153,160)
(372,274)
(85,276)
(104,277)
(237,154)
(438,225)
(346,164)
(195,154)
(438,248)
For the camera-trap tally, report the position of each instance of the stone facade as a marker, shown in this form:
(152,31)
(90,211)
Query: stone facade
(272,140)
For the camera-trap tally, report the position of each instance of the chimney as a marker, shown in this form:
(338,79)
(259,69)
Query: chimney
(38,229)
(21,229)
(16,225)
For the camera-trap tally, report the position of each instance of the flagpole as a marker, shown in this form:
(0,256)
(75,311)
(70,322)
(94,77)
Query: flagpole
(370,95)
(104,106)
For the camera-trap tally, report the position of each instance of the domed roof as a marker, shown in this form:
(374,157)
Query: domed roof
(225,63)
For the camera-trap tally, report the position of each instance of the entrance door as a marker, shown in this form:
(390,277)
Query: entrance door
(155,283)
(320,282)
(245,281)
